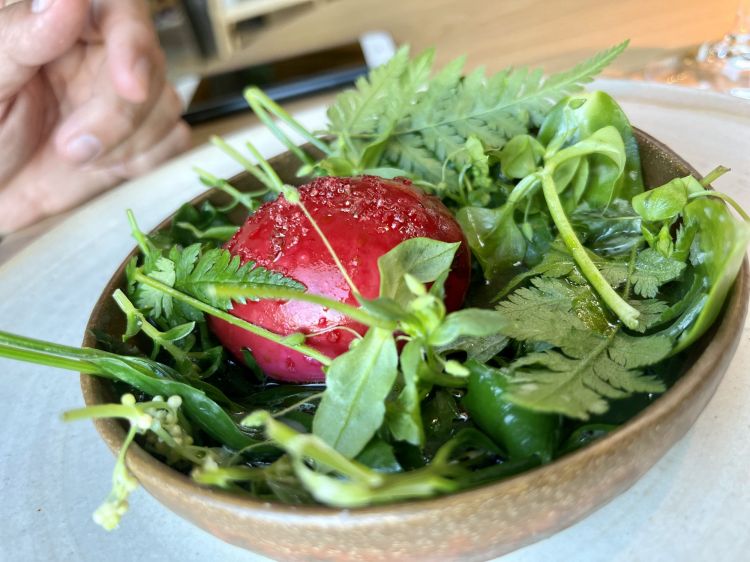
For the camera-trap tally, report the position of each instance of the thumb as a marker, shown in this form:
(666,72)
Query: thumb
(33,33)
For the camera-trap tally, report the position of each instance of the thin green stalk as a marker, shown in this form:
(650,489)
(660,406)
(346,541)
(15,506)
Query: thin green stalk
(724,197)
(271,174)
(244,162)
(249,200)
(328,246)
(28,356)
(253,94)
(713,175)
(223,477)
(208,309)
(23,342)
(282,293)
(304,445)
(262,114)
(523,189)
(615,302)
(307,400)
(137,233)
(99,411)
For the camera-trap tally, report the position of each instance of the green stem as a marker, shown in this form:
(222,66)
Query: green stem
(724,197)
(244,162)
(137,233)
(271,174)
(28,356)
(103,411)
(293,407)
(14,340)
(282,293)
(523,189)
(179,355)
(328,246)
(222,477)
(262,114)
(713,175)
(304,445)
(631,270)
(208,309)
(248,200)
(615,302)
(256,95)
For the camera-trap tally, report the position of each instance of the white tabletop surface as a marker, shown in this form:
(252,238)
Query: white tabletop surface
(694,505)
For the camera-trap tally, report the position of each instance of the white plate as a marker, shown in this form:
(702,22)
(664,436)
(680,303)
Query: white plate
(693,505)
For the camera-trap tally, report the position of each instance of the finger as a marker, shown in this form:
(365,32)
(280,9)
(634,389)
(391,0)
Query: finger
(174,143)
(159,122)
(101,124)
(46,186)
(35,33)
(23,127)
(49,185)
(134,57)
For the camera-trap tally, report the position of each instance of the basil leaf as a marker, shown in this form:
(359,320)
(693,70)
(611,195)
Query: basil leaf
(577,117)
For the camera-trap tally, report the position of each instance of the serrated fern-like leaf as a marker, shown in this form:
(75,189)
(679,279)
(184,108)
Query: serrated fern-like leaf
(218,267)
(196,271)
(399,117)
(585,366)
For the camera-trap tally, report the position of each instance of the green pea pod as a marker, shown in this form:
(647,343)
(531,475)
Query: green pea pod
(520,431)
(578,117)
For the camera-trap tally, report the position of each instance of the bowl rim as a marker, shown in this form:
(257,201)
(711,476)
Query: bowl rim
(730,321)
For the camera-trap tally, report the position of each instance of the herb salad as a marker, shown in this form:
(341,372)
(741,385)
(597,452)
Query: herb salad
(585,291)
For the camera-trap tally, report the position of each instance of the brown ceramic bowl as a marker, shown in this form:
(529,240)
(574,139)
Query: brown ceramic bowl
(473,525)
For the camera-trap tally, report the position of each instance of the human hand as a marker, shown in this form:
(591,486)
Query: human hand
(83,103)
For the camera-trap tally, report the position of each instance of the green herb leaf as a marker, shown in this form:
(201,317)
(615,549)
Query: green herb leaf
(521,156)
(422,258)
(400,118)
(471,322)
(404,415)
(477,348)
(662,203)
(358,382)
(590,366)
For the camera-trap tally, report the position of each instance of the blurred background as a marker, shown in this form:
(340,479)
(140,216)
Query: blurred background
(205,37)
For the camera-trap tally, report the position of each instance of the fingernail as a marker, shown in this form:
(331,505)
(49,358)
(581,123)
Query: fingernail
(38,6)
(83,149)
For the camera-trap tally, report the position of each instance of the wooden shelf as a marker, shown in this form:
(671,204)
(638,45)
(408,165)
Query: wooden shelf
(236,11)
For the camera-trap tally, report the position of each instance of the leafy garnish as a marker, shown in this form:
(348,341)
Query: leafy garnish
(588,367)
(352,408)
(197,272)
(416,123)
